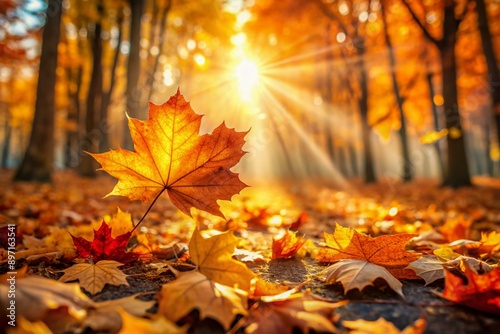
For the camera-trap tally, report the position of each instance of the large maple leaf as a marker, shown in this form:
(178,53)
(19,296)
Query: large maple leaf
(387,250)
(104,246)
(171,155)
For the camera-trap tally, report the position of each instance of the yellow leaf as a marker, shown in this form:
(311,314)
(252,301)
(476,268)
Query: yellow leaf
(93,277)
(158,325)
(193,290)
(433,136)
(383,326)
(213,256)
(120,223)
(445,254)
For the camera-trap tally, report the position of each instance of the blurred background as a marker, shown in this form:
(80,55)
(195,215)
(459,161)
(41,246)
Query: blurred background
(332,90)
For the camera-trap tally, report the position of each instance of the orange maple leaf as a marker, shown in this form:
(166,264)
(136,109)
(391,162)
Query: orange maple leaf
(481,292)
(287,245)
(456,228)
(387,250)
(171,155)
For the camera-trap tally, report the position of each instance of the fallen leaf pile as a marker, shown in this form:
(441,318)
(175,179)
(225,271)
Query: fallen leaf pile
(266,262)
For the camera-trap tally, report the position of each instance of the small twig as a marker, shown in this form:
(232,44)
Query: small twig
(147,211)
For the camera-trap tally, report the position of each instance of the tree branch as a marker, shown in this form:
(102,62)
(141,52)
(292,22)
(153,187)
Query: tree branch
(331,15)
(421,25)
(465,11)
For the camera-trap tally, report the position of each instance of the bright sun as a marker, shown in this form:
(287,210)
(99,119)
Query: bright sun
(247,74)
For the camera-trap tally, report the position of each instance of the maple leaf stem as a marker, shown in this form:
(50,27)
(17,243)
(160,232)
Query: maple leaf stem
(147,211)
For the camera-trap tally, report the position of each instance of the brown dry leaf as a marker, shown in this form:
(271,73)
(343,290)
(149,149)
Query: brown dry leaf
(158,325)
(53,301)
(93,277)
(381,325)
(429,267)
(106,316)
(486,247)
(213,256)
(463,262)
(171,156)
(31,242)
(281,313)
(193,290)
(387,250)
(357,274)
(244,255)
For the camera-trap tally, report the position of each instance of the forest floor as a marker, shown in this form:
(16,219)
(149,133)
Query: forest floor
(73,204)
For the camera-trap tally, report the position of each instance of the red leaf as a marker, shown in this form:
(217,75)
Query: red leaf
(303,218)
(287,245)
(481,292)
(104,246)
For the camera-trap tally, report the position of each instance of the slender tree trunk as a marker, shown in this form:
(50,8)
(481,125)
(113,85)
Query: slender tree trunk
(403,136)
(161,42)
(491,61)
(72,150)
(7,137)
(435,118)
(106,95)
(369,173)
(92,133)
(457,167)
(39,157)
(134,91)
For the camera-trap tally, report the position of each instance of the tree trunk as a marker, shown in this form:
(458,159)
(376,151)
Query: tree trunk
(435,117)
(161,42)
(369,173)
(133,90)
(457,174)
(39,157)
(72,149)
(92,133)
(491,61)
(403,136)
(106,95)
(7,137)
